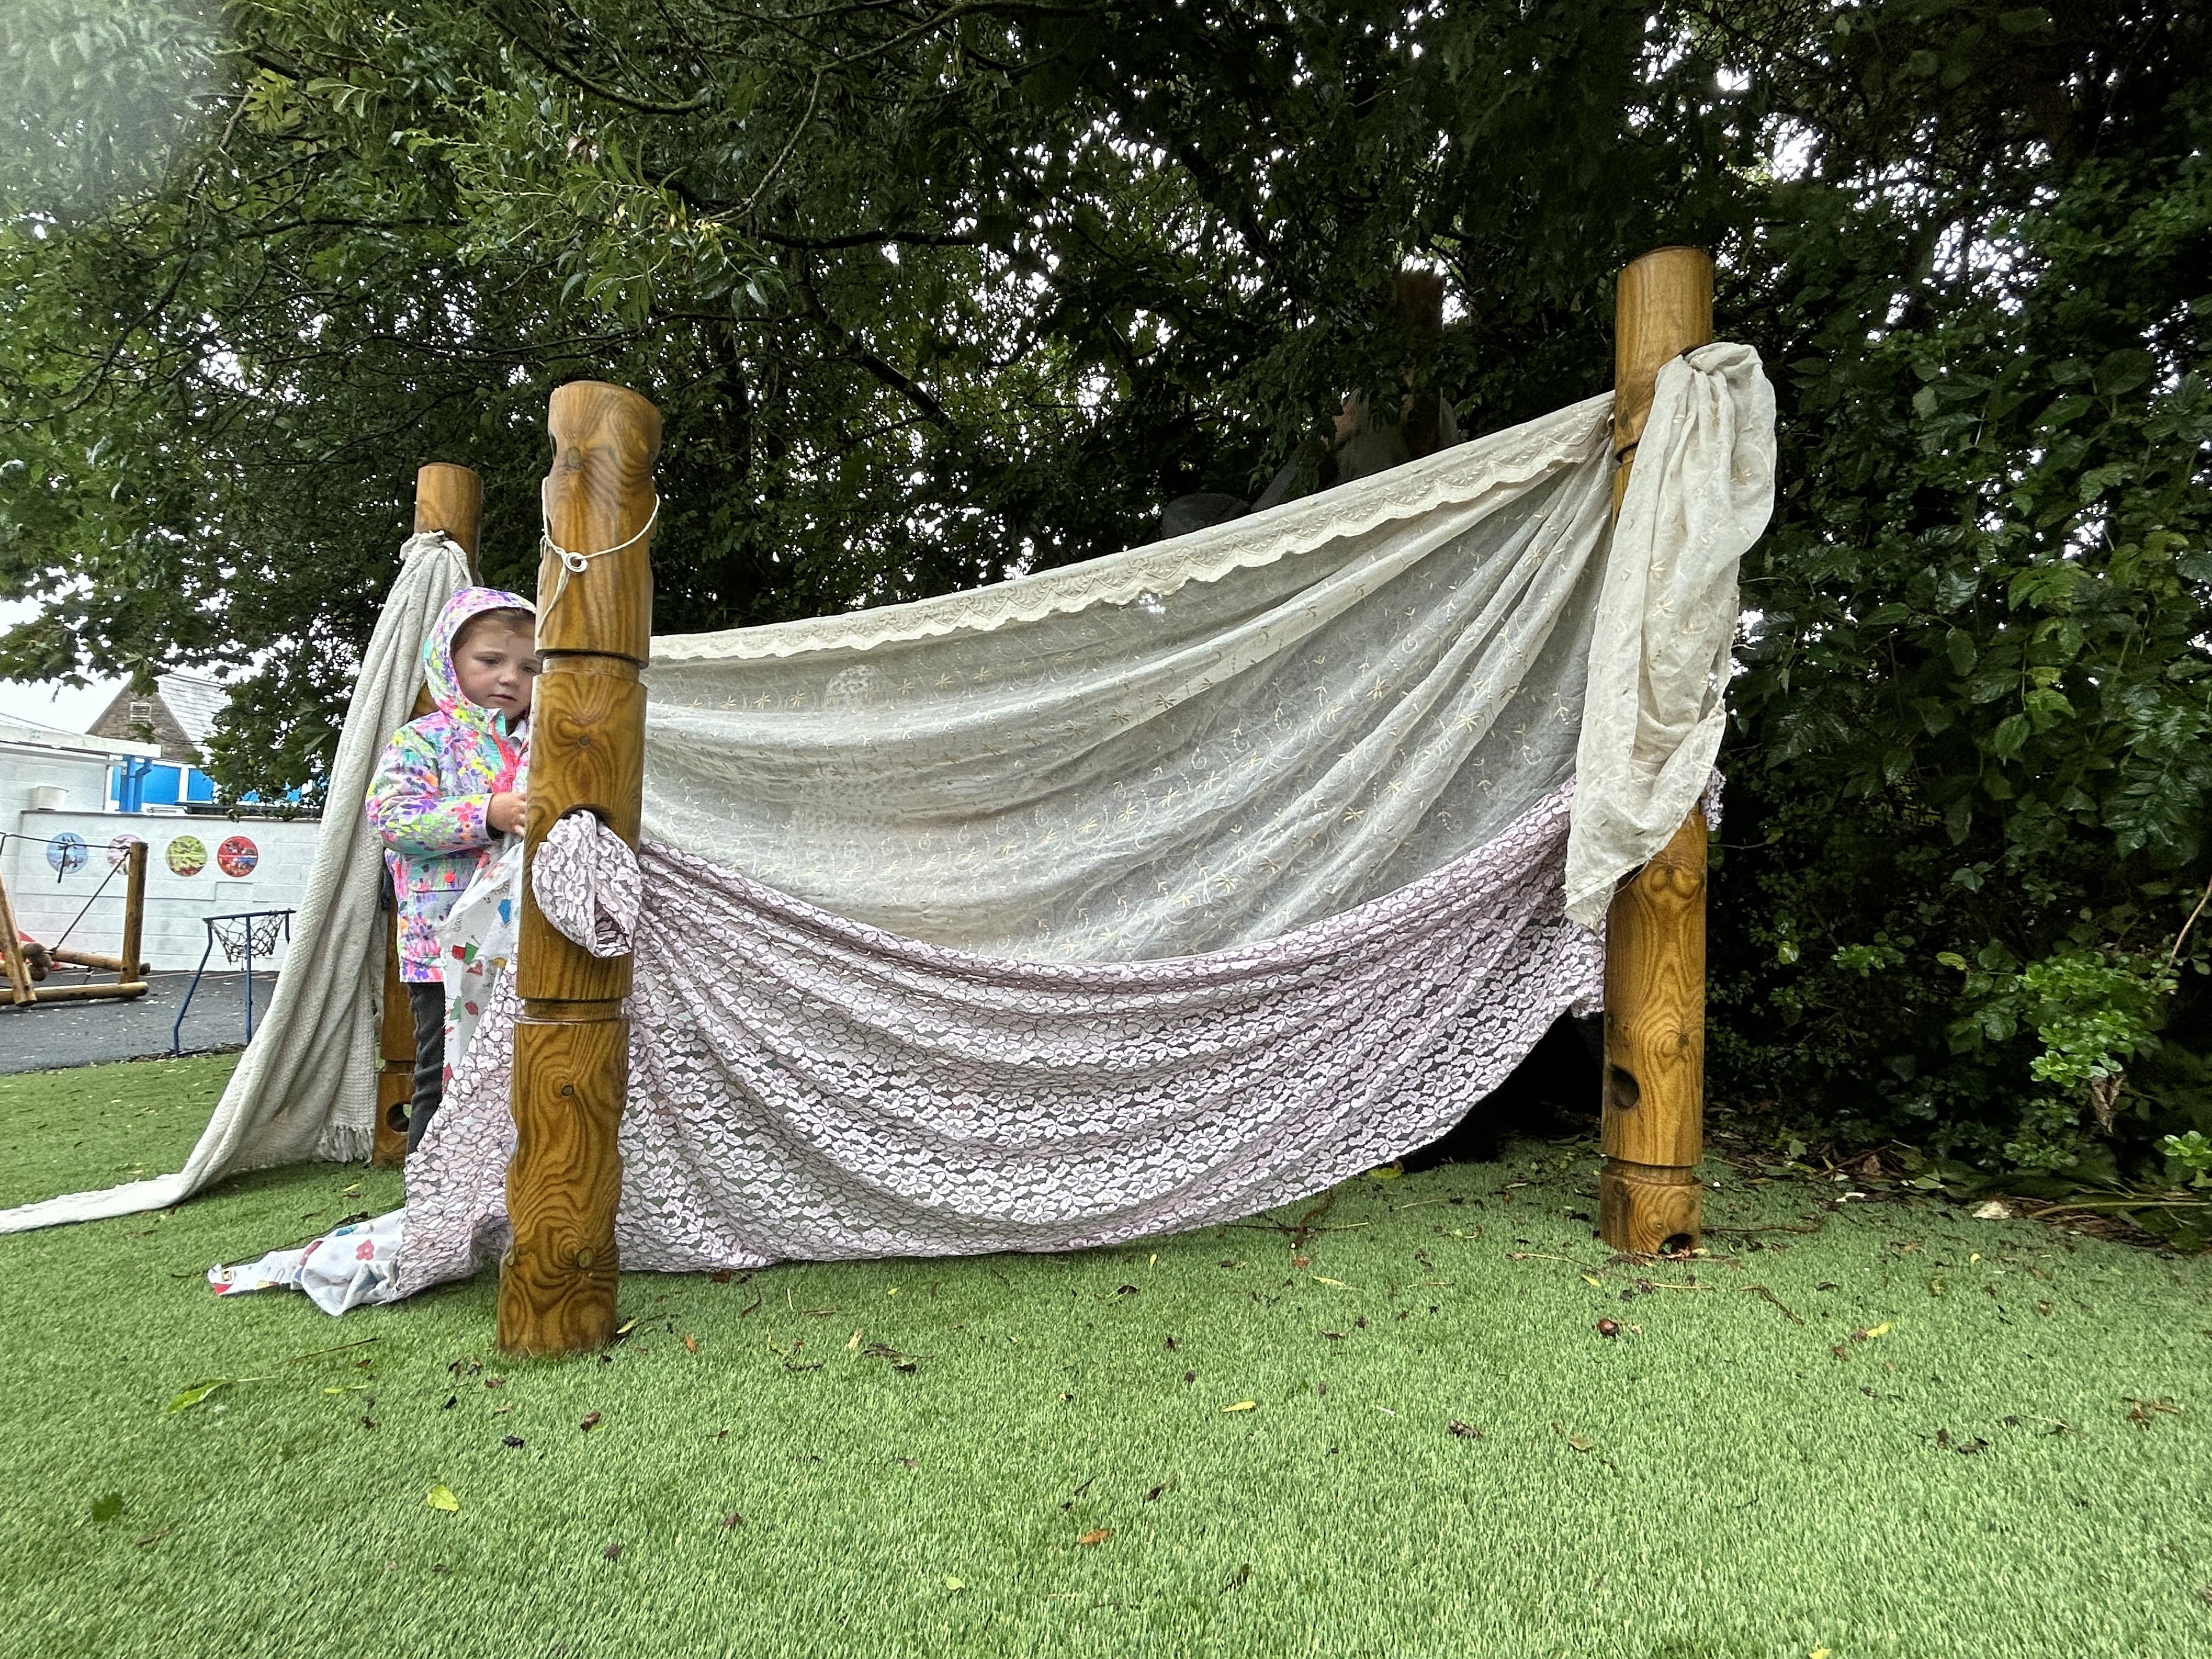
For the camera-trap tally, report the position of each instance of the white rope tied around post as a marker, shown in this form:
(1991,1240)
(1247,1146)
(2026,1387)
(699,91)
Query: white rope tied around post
(573,563)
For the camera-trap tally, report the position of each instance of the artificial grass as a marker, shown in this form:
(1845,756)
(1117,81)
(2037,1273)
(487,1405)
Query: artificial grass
(1717,1480)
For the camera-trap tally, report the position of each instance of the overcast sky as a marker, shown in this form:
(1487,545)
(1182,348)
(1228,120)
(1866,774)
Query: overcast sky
(71,708)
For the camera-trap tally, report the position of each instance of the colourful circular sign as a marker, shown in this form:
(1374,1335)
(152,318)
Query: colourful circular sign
(187,855)
(119,848)
(66,852)
(237,856)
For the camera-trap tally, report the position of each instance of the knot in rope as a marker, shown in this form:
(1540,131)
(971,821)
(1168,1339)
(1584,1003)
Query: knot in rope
(573,563)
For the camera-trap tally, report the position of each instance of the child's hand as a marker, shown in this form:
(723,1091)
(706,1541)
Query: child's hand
(506,811)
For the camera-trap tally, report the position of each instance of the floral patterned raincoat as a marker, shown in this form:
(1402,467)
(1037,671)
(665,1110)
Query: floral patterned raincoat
(432,793)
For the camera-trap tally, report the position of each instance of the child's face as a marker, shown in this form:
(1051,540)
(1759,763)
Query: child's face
(496,667)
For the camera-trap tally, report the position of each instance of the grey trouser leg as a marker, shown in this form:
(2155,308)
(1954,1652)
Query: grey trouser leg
(428,1004)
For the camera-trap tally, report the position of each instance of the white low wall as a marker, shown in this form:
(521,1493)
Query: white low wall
(194,867)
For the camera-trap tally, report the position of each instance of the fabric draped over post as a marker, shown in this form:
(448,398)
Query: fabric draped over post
(1149,892)
(306,1087)
(1110,900)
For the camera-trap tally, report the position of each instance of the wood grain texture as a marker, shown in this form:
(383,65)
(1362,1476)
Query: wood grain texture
(586,753)
(1654,959)
(599,495)
(100,960)
(128,967)
(1654,999)
(1647,1209)
(450,498)
(395,1055)
(124,992)
(557,1284)
(1662,307)
(11,952)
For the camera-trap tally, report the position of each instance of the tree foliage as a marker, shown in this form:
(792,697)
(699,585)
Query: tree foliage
(931,293)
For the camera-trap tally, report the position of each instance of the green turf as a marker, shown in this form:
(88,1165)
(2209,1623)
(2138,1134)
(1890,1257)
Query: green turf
(1718,1479)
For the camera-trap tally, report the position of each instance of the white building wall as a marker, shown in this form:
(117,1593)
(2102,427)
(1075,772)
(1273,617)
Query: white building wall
(25,767)
(180,889)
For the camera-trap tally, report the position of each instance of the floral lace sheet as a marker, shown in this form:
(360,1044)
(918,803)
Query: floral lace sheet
(804,1087)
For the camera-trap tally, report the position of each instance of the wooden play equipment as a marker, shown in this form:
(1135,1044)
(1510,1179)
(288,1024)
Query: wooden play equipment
(447,498)
(1654,1129)
(571,1063)
(556,1285)
(129,972)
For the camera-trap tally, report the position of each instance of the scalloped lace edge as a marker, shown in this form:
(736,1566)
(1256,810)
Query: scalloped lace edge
(1454,476)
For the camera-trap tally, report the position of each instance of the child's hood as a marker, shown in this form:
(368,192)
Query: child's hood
(438,650)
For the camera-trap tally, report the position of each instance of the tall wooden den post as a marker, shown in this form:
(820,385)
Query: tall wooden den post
(448,498)
(1655,951)
(556,1288)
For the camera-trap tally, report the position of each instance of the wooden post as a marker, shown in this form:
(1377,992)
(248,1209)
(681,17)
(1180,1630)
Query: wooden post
(11,951)
(134,914)
(557,1289)
(1654,952)
(448,498)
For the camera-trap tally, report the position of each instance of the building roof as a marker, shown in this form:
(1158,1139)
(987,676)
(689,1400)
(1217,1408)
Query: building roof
(15,729)
(195,703)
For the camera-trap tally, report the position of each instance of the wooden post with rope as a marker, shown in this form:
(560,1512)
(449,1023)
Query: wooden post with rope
(1654,952)
(557,1288)
(447,498)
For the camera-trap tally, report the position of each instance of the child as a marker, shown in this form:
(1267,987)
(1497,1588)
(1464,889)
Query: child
(446,791)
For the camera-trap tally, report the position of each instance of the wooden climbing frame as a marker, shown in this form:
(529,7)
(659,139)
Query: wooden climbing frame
(571,1056)
(129,972)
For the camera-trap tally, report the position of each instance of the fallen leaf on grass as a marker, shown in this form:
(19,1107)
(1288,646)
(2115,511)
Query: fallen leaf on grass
(1241,1406)
(1608,1327)
(692,1343)
(184,1399)
(1099,1535)
(1339,1283)
(1465,1430)
(952,1584)
(590,1422)
(442,1497)
(2142,1412)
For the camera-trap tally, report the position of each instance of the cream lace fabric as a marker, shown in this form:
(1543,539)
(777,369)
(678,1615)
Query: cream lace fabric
(1223,738)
